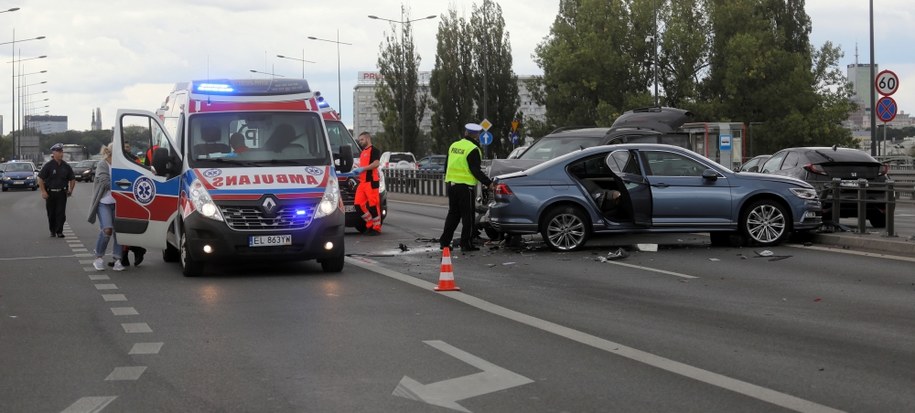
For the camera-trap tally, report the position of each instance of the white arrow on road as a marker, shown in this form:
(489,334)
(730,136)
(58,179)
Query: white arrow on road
(446,393)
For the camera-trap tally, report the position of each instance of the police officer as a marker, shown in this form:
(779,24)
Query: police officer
(56,181)
(367,197)
(462,172)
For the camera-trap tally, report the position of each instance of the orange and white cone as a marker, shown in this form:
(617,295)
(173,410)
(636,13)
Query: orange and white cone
(446,276)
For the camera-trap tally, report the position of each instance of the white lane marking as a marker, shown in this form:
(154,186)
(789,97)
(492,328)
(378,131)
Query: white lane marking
(146,348)
(90,269)
(853,252)
(80,250)
(639,267)
(90,404)
(106,287)
(114,297)
(446,393)
(45,257)
(126,373)
(98,277)
(84,262)
(715,379)
(123,311)
(133,328)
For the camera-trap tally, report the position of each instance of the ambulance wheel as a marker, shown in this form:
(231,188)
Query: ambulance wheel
(334,264)
(360,226)
(189,267)
(170,253)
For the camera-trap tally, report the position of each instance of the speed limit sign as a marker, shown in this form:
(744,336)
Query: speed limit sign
(886,82)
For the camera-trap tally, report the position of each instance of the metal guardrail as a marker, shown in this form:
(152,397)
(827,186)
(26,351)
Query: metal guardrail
(407,181)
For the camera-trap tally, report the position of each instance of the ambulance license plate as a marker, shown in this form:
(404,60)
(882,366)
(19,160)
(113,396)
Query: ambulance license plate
(269,240)
(349,208)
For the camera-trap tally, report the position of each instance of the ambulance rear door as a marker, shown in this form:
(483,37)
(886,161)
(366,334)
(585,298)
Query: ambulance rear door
(145,179)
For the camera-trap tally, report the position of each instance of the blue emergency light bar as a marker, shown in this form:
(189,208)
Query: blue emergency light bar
(250,87)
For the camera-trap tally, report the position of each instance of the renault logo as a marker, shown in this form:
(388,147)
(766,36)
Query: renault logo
(269,205)
(854,174)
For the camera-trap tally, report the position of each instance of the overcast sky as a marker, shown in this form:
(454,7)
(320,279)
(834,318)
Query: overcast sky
(128,54)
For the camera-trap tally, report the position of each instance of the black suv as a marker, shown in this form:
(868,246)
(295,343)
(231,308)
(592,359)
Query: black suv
(820,165)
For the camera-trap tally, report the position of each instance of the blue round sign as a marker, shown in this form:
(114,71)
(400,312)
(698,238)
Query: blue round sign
(485,138)
(886,109)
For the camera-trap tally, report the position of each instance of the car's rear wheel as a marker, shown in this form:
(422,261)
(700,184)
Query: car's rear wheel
(765,222)
(565,228)
(170,253)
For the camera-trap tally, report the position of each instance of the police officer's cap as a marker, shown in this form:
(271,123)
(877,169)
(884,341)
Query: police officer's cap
(57,147)
(473,128)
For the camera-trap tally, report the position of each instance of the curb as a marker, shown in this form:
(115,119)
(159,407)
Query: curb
(871,242)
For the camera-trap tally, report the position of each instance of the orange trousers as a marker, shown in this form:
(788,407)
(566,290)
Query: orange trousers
(369,201)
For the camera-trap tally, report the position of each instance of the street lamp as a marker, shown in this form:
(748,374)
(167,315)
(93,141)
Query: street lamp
(403,22)
(339,91)
(13,81)
(298,60)
(265,73)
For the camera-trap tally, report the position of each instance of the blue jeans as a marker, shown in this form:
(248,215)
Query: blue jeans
(106,220)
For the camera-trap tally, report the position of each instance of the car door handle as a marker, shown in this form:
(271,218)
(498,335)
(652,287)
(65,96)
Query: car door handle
(660,185)
(123,184)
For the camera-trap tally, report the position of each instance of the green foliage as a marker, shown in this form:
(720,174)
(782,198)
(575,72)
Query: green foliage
(397,100)
(495,85)
(451,82)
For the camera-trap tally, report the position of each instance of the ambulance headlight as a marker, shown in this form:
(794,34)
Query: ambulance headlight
(202,202)
(381,185)
(331,199)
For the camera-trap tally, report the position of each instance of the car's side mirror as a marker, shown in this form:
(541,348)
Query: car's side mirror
(710,174)
(346,158)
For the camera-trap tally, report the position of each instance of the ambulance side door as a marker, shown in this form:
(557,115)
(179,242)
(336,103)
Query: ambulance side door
(146,198)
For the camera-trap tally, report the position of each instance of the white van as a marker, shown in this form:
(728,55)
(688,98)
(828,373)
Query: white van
(233,170)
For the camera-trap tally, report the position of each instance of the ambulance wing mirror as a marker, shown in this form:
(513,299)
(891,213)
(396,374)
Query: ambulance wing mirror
(165,164)
(346,158)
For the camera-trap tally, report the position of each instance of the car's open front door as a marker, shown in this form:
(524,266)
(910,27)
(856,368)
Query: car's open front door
(625,165)
(146,199)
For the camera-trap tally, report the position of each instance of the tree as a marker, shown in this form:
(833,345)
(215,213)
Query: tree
(684,52)
(396,99)
(496,85)
(591,71)
(451,82)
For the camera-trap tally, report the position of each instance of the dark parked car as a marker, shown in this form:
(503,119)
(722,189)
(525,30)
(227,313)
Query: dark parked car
(820,165)
(433,163)
(18,174)
(754,164)
(85,170)
(637,188)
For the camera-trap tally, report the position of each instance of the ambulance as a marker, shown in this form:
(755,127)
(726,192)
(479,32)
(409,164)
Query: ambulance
(235,170)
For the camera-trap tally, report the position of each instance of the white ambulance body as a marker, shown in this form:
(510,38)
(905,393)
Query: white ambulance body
(239,170)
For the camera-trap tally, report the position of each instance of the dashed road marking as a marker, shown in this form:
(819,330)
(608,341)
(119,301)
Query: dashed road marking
(124,311)
(106,287)
(114,297)
(89,269)
(146,348)
(80,250)
(98,277)
(86,261)
(126,373)
(90,404)
(134,328)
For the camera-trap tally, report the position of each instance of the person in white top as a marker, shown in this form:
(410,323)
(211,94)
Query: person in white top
(103,208)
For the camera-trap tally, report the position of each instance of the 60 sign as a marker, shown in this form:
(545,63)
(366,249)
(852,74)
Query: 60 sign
(886,82)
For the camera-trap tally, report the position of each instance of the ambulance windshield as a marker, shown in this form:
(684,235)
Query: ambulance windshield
(257,139)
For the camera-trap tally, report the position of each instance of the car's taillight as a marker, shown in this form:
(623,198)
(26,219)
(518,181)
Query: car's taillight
(502,189)
(815,169)
(884,169)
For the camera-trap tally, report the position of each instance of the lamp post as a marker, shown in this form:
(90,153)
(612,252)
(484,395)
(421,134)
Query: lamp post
(298,60)
(13,78)
(265,73)
(403,22)
(339,90)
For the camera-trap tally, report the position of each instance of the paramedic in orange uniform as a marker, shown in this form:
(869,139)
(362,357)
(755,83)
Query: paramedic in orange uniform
(367,196)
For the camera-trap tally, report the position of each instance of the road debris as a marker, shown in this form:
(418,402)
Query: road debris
(508,263)
(647,247)
(403,248)
(617,254)
(765,253)
(714,259)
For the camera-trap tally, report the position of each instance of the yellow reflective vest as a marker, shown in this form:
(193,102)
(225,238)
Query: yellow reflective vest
(458,171)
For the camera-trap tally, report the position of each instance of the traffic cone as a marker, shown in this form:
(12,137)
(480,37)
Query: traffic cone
(446,276)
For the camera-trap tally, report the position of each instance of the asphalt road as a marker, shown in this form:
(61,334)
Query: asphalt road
(685,328)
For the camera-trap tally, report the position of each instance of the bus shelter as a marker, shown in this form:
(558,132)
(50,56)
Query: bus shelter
(723,142)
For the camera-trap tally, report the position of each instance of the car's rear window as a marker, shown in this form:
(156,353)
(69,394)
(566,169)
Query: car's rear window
(549,148)
(828,155)
(397,157)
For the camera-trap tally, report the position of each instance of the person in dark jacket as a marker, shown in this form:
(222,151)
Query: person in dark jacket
(56,181)
(462,173)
